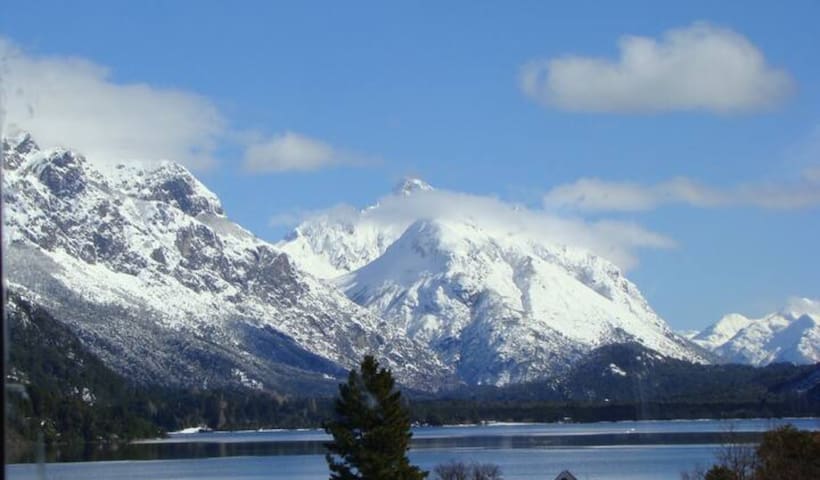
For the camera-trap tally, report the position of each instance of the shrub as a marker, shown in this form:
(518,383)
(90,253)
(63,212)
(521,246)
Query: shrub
(463,471)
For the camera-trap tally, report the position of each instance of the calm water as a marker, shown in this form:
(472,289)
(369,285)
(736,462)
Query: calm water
(620,450)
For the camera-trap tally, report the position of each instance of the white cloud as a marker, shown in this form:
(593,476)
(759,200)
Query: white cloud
(803,306)
(290,218)
(700,67)
(614,240)
(74,103)
(592,194)
(295,152)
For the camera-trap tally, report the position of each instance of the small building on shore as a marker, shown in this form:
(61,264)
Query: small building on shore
(565,475)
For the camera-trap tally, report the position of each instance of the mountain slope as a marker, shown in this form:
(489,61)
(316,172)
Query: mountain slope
(500,304)
(628,373)
(144,266)
(790,335)
(631,373)
(57,388)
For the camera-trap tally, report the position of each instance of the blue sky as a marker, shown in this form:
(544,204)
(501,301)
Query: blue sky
(712,141)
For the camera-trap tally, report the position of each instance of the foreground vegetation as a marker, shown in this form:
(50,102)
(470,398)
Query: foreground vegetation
(370,429)
(784,453)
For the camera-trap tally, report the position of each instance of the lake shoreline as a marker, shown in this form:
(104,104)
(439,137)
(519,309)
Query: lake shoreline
(493,436)
(188,431)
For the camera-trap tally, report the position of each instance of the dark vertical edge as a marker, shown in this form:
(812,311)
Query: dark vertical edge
(4,330)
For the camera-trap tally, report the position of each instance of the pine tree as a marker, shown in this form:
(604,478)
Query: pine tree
(371,429)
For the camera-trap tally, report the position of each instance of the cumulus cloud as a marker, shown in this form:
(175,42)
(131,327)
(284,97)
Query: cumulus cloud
(592,194)
(295,152)
(700,67)
(615,240)
(74,103)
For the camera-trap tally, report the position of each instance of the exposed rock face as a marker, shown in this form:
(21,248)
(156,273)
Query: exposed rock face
(145,267)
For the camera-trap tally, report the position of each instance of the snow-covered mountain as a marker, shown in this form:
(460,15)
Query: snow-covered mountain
(790,335)
(499,303)
(143,264)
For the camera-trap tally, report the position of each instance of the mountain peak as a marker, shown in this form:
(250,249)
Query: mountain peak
(172,183)
(20,141)
(789,335)
(16,145)
(410,185)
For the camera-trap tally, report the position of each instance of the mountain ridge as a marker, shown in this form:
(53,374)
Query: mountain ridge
(499,303)
(145,267)
(789,335)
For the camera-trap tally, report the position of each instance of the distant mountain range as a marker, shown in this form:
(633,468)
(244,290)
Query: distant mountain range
(143,266)
(790,335)
(629,373)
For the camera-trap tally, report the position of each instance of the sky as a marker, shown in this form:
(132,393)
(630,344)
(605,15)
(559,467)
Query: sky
(684,139)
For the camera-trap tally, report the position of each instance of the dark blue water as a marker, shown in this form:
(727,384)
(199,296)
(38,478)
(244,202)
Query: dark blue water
(296,455)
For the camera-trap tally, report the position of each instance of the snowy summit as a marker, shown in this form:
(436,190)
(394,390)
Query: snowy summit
(790,335)
(499,303)
(410,185)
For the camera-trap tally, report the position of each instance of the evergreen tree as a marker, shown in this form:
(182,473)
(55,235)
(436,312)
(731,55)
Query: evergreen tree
(371,429)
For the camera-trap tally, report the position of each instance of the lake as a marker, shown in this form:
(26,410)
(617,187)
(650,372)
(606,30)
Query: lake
(608,450)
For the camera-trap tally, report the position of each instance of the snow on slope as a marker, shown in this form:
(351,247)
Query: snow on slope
(500,303)
(722,331)
(143,263)
(790,335)
(340,241)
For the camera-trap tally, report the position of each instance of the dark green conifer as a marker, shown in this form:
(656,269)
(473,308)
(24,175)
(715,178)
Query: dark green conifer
(371,429)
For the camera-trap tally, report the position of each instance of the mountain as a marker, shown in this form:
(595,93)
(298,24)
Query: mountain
(145,268)
(500,304)
(627,381)
(631,373)
(790,335)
